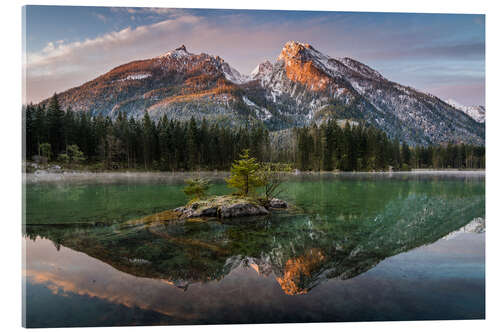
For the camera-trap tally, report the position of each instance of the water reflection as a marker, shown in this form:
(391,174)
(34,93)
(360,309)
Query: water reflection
(277,268)
(439,281)
(300,250)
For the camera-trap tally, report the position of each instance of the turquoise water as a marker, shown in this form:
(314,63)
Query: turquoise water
(359,247)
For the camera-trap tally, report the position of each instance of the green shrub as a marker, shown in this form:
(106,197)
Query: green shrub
(196,188)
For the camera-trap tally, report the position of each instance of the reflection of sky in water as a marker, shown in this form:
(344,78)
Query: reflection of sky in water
(444,280)
(345,256)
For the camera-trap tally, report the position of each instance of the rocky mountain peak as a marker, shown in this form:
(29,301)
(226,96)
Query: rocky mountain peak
(304,86)
(181,51)
(262,70)
(295,50)
(305,65)
(361,68)
(476,112)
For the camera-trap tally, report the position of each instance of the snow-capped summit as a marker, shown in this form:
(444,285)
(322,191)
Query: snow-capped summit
(310,86)
(361,68)
(293,49)
(301,87)
(186,58)
(262,70)
(179,52)
(476,112)
(233,75)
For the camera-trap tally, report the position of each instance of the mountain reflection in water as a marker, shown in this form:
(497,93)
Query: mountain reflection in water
(299,252)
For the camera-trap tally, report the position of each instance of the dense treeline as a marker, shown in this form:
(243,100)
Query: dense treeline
(129,143)
(363,148)
(169,145)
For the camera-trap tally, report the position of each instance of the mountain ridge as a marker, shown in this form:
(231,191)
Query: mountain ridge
(301,87)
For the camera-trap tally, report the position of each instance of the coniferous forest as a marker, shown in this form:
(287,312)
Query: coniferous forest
(100,143)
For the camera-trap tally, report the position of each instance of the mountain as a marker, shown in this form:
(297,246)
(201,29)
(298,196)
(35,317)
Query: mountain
(178,83)
(476,112)
(301,87)
(306,86)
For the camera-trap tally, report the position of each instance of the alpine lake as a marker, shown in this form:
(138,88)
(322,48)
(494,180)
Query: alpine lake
(357,247)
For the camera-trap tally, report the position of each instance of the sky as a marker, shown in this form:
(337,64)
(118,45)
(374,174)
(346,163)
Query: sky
(441,54)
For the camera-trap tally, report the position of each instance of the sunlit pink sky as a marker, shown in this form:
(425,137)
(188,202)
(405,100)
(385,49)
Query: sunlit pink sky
(436,53)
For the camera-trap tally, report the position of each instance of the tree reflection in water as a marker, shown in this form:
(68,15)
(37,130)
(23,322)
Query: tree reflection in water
(298,250)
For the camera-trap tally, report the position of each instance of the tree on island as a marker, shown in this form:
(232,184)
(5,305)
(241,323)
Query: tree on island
(245,176)
(272,175)
(196,188)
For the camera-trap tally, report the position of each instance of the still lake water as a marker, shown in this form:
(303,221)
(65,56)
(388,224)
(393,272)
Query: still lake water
(359,248)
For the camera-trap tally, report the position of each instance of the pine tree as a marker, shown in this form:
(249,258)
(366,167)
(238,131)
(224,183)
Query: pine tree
(148,140)
(55,119)
(29,135)
(245,174)
(406,154)
(196,188)
(192,145)
(39,130)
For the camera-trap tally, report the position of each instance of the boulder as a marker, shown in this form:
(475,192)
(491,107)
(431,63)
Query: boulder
(225,207)
(209,212)
(241,210)
(277,203)
(193,211)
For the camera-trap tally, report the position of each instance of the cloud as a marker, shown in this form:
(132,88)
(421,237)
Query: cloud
(474,50)
(59,66)
(101,17)
(244,39)
(170,12)
(470,93)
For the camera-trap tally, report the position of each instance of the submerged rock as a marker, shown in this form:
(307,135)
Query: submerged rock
(277,203)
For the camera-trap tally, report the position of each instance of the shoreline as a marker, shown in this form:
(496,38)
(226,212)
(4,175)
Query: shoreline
(116,176)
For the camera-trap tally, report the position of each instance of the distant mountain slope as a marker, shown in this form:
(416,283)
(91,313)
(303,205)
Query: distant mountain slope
(302,86)
(178,83)
(476,112)
(305,85)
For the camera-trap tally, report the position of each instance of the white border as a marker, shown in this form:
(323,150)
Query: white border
(11,154)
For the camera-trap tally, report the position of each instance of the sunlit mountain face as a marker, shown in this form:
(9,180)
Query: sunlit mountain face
(302,86)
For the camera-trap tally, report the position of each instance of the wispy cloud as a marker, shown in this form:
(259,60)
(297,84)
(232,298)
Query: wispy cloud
(245,38)
(101,17)
(170,12)
(467,50)
(60,65)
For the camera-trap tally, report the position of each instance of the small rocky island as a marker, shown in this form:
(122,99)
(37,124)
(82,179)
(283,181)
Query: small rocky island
(247,175)
(228,206)
(218,207)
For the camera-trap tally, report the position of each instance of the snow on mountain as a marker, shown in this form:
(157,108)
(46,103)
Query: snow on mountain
(476,112)
(309,86)
(300,87)
(262,71)
(261,112)
(139,76)
(179,52)
(362,69)
(230,73)
(233,75)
